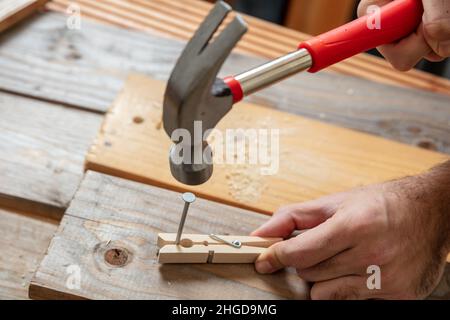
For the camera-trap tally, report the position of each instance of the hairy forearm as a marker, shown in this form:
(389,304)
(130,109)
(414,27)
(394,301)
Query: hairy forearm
(428,195)
(438,180)
(426,198)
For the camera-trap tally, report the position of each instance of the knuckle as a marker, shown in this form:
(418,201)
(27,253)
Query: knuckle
(443,50)
(371,221)
(281,210)
(285,210)
(401,64)
(362,8)
(437,30)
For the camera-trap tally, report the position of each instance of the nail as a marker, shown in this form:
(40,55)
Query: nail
(188,198)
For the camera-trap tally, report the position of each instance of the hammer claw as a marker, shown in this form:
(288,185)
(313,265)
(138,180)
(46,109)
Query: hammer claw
(208,28)
(221,47)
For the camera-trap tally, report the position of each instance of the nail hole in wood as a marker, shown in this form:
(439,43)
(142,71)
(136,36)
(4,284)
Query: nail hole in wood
(138,120)
(117,257)
(427,145)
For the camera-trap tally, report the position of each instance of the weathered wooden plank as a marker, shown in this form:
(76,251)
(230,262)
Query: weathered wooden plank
(23,241)
(111,213)
(315,159)
(42,149)
(87,68)
(13,11)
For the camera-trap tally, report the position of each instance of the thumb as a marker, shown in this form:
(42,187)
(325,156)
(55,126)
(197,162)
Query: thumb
(273,259)
(307,249)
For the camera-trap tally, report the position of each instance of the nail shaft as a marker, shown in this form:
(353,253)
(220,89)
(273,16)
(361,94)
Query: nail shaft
(183,220)
(188,198)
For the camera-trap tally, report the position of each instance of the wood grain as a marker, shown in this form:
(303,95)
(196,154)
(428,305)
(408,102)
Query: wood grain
(180,19)
(42,150)
(315,158)
(13,11)
(86,68)
(24,240)
(111,213)
(318,16)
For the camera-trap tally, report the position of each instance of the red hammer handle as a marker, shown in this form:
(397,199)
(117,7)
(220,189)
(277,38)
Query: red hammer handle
(397,20)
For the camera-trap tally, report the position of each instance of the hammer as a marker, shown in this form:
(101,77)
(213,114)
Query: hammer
(196,100)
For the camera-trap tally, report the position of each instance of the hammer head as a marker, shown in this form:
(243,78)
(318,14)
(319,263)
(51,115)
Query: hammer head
(194,95)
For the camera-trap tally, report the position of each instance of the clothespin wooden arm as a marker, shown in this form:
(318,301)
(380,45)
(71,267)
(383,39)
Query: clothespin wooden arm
(195,248)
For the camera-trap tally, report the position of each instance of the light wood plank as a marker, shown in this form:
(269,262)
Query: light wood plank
(42,150)
(24,240)
(109,213)
(13,11)
(315,158)
(87,68)
(180,19)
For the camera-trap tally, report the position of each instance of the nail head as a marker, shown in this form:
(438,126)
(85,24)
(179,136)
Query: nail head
(188,197)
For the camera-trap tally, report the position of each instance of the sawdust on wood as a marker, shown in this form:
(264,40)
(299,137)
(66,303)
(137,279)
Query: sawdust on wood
(245,181)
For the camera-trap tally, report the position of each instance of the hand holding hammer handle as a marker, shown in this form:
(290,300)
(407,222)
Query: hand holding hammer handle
(392,23)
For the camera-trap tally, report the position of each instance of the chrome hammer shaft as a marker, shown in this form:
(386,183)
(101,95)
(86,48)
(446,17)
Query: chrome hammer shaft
(274,71)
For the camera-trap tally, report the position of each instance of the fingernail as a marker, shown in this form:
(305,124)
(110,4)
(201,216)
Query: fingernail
(264,267)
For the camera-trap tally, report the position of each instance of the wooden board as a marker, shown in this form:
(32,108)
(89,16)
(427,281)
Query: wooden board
(24,240)
(179,19)
(111,213)
(315,158)
(12,11)
(42,150)
(86,68)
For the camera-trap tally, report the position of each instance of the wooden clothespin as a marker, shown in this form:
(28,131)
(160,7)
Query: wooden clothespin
(199,248)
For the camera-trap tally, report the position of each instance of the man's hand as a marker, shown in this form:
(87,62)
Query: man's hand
(401,226)
(431,41)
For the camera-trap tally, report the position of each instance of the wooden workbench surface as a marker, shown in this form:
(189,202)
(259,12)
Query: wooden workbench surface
(70,77)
